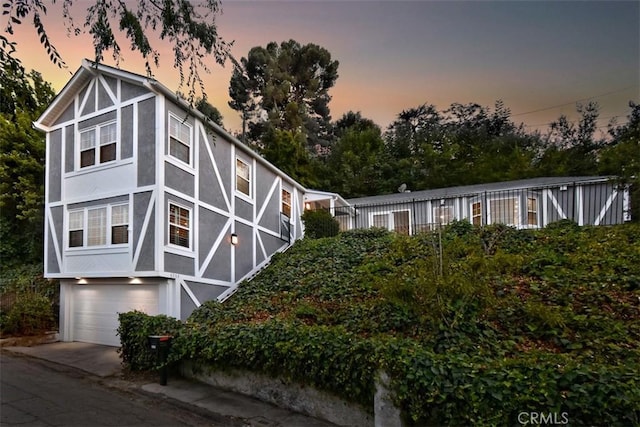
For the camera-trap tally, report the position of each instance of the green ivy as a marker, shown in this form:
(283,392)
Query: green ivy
(134,330)
(473,325)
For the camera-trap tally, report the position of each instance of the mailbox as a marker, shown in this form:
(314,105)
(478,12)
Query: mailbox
(160,345)
(156,342)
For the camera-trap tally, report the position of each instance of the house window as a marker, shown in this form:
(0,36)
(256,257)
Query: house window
(179,226)
(401,222)
(397,221)
(108,142)
(88,226)
(504,211)
(97,227)
(286,203)
(380,221)
(476,213)
(120,224)
(443,215)
(532,211)
(91,152)
(243,177)
(87,148)
(76,229)
(179,140)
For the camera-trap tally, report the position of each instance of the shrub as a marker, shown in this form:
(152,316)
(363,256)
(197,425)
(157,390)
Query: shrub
(319,223)
(134,330)
(30,314)
(29,301)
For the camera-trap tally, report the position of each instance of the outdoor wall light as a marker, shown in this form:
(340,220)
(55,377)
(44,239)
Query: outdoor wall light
(234,239)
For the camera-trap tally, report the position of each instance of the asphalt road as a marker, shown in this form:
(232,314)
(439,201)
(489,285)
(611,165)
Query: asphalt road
(39,393)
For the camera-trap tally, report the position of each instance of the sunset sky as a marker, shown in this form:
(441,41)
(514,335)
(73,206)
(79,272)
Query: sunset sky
(539,57)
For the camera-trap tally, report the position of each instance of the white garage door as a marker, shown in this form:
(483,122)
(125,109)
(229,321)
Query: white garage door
(96,308)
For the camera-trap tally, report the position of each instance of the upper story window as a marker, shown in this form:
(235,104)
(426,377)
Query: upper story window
(179,140)
(98,144)
(99,226)
(119,224)
(179,226)
(286,203)
(76,229)
(243,177)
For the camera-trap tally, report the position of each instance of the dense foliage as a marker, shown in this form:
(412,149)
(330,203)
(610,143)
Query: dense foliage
(188,27)
(319,223)
(289,84)
(467,144)
(28,302)
(22,152)
(492,322)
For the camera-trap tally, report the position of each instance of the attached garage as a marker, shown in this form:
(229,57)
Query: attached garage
(95,308)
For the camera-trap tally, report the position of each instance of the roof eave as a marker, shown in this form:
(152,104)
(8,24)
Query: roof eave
(87,70)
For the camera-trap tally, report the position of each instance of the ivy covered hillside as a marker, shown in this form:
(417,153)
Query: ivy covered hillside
(472,325)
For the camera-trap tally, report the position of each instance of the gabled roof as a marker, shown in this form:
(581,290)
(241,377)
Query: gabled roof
(90,69)
(467,190)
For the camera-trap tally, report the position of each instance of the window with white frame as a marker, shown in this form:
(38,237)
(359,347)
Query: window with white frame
(401,222)
(443,215)
(380,220)
(98,145)
(179,140)
(504,211)
(120,224)
(76,229)
(243,177)
(476,213)
(97,227)
(179,226)
(88,227)
(397,221)
(532,211)
(286,203)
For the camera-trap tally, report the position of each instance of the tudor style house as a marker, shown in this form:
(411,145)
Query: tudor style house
(149,205)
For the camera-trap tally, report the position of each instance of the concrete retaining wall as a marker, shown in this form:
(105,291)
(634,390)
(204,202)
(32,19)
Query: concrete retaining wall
(305,400)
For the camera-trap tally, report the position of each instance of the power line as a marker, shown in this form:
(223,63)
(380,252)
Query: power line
(598,119)
(574,102)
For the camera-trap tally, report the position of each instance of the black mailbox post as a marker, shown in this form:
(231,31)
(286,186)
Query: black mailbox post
(160,345)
